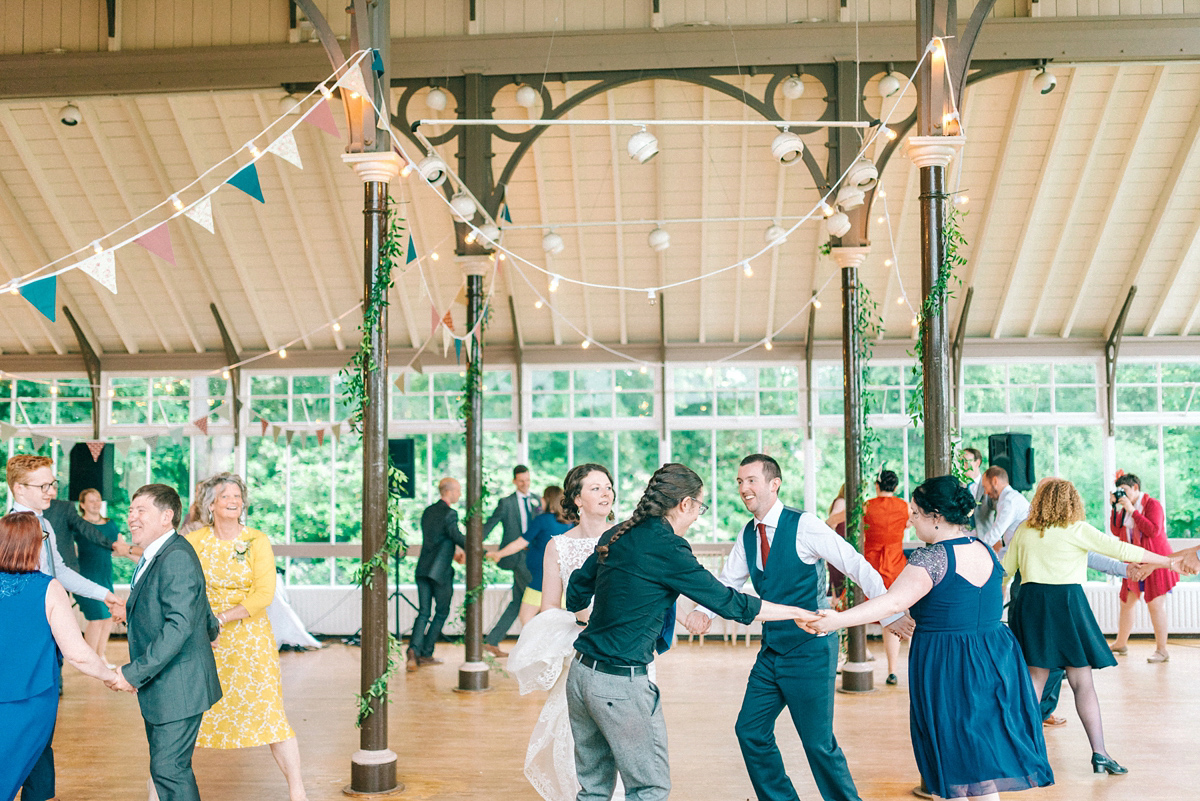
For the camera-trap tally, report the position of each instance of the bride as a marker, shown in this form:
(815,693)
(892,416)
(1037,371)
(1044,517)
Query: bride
(542,654)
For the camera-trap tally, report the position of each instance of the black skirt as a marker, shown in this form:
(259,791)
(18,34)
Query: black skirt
(1056,628)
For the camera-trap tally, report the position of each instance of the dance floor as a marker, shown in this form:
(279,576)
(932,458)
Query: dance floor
(456,746)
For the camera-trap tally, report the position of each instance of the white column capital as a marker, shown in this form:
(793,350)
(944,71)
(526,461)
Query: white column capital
(474,265)
(850,256)
(375,166)
(933,151)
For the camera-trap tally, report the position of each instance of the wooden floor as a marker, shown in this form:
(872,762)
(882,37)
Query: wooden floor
(455,746)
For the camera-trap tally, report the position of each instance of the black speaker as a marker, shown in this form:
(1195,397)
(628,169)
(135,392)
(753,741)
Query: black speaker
(403,455)
(1013,452)
(89,473)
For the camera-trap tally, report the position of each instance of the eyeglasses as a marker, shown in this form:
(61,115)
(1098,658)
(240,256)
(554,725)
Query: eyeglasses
(703,507)
(45,488)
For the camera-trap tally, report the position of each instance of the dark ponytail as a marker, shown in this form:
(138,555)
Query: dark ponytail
(943,495)
(669,485)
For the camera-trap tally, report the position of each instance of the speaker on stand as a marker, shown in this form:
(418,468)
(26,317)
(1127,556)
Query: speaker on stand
(91,472)
(1013,452)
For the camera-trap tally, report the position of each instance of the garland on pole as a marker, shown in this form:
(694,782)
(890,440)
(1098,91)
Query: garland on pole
(934,304)
(354,392)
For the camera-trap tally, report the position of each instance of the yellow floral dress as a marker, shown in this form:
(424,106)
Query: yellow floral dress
(242,571)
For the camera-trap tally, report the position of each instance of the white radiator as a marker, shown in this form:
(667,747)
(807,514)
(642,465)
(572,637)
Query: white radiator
(338,610)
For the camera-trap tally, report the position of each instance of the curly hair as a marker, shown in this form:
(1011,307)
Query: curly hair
(1055,503)
(669,485)
(23,464)
(943,495)
(211,488)
(573,485)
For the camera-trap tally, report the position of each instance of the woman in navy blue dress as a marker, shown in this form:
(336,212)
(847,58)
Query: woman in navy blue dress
(550,523)
(36,615)
(974,720)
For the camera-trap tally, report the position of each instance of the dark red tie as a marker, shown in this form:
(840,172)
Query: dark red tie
(764,547)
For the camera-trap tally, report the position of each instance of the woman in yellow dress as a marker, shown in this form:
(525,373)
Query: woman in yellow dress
(239,572)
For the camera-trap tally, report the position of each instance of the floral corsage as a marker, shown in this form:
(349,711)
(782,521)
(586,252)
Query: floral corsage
(240,549)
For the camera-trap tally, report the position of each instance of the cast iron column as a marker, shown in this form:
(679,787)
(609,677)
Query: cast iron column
(857,673)
(473,673)
(373,766)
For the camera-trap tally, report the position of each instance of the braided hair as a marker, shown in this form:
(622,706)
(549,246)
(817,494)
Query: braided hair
(669,485)
(573,486)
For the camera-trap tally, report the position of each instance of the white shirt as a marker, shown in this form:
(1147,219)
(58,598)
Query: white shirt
(52,563)
(148,555)
(1011,511)
(815,541)
(523,505)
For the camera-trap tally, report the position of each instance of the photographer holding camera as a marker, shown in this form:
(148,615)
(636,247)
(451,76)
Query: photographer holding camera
(1138,519)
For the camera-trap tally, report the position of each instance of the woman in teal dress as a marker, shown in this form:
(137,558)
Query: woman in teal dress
(39,629)
(95,563)
(973,715)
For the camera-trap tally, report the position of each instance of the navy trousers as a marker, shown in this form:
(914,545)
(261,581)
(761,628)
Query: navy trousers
(427,628)
(39,785)
(803,681)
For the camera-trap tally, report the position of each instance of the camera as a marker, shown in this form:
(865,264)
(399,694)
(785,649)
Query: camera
(1118,494)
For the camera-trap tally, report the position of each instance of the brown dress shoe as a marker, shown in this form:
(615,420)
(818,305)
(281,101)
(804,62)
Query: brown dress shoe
(1053,722)
(411,662)
(495,651)
(428,660)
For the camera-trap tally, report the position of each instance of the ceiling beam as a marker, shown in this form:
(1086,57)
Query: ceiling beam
(705,180)
(1175,175)
(191,148)
(63,221)
(311,257)
(1032,209)
(1073,207)
(1188,255)
(1085,289)
(743,191)
(203,69)
(116,173)
(184,234)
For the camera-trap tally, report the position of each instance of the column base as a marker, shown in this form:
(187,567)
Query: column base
(373,775)
(472,677)
(857,677)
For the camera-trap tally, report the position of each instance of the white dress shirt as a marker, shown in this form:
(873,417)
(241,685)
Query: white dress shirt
(52,563)
(1011,511)
(815,541)
(148,556)
(523,506)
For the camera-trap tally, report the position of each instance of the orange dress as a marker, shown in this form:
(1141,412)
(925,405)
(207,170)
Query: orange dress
(884,521)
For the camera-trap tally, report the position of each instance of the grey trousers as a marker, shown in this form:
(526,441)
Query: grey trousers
(618,726)
(171,747)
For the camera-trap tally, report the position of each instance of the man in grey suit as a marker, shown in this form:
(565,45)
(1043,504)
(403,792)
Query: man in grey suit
(171,630)
(514,512)
(440,538)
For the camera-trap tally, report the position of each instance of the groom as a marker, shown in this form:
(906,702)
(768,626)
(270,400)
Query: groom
(171,629)
(783,552)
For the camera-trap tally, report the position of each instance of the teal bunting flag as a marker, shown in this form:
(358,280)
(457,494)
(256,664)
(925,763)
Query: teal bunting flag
(457,350)
(412,251)
(377,62)
(504,215)
(42,295)
(246,179)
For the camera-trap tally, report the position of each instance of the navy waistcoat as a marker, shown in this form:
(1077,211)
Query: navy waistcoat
(786,580)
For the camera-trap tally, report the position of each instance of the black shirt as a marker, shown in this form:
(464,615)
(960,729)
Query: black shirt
(647,569)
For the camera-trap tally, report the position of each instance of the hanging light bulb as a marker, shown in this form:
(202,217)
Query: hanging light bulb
(881,219)
(747,270)
(792,87)
(283,353)
(437,99)
(325,93)
(254,151)
(826,209)
(850,197)
(554,282)
(527,96)
(888,133)
(882,193)
(961,200)
(176,202)
(552,243)
(890,83)
(659,239)
(587,343)
(96,247)
(500,256)
(787,148)
(537,304)
(407,169)
(463,205)
(768,345)
(642,146)
(838,224)
(112,393)
(816,303)
(915,321)
(900,301)
(642,369)
(888,262)
(53,389)
(337,326)
(862,175)
(225,374)
(775,235)
(433,169)
(490,234)
(434,256)
(470,236)
(651,297)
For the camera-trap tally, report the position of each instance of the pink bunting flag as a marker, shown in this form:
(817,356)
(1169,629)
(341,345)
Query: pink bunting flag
(262,422)
(320,437)
(322,117)
(200,213)
(103,268)
(158,241)
(95,447)
(202,424)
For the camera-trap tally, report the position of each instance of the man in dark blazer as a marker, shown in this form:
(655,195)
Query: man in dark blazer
(171,630)
(71,529)
(435,574)
(514,512)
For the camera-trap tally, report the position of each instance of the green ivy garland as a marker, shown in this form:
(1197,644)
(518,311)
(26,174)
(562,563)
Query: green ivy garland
(953,243)
(354,394)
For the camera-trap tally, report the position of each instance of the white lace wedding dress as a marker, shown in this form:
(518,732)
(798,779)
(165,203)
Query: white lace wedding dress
(540,661)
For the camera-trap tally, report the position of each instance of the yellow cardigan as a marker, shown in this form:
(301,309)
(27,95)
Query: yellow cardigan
(262,565)
(1060,556)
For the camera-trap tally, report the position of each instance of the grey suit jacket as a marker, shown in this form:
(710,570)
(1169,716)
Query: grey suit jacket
(439,535)
(171,629)
(70,528)
(508,514)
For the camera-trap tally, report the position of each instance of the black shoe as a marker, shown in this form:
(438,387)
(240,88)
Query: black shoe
(892,681)
(1103,764)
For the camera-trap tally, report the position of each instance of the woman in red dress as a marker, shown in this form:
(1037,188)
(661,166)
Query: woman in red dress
(885,517)
(1139,520)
